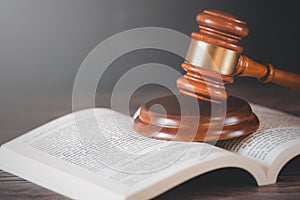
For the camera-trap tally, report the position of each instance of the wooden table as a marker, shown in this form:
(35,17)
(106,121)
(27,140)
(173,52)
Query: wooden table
(33,111)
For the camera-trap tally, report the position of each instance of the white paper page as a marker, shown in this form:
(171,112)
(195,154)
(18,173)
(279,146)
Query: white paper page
(278,133)
(83,152)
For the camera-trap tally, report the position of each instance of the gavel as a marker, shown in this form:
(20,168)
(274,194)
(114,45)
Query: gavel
(214,57)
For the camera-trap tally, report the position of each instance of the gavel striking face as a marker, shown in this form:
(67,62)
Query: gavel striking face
(214,57)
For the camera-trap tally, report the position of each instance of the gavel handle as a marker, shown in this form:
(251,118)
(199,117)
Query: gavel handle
(267,73)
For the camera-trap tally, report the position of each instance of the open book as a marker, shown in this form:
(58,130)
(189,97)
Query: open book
(95,154)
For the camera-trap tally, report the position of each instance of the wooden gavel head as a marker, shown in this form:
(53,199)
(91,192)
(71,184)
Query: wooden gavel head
(213,56)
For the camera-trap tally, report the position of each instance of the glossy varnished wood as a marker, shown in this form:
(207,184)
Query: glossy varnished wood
(267,73)
(184,119)
(203,84)
(226,30)
(37,109)
(219,29)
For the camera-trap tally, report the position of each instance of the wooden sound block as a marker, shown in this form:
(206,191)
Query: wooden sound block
(163,118)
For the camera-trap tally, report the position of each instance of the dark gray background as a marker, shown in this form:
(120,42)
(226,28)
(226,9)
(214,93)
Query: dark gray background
(42,44)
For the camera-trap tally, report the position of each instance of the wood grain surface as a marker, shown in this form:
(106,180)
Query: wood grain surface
(34,111)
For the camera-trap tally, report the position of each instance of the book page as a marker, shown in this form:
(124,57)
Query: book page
(279,133)
(112,156)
